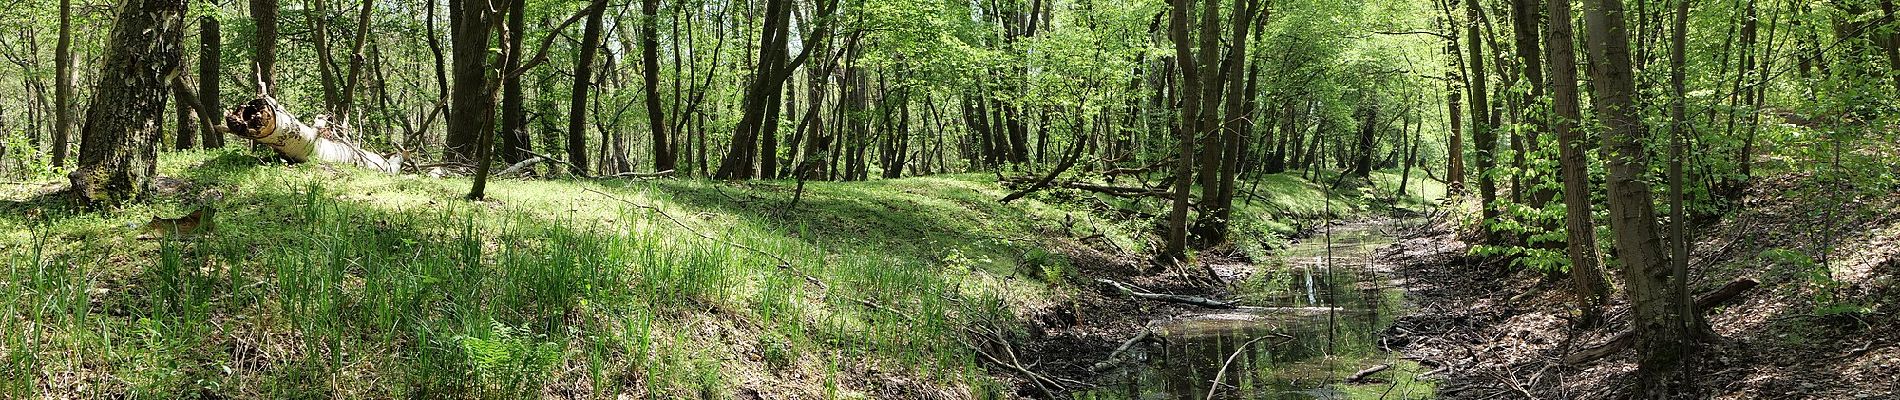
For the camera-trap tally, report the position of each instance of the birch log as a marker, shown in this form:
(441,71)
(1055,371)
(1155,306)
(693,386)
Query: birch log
(265,121)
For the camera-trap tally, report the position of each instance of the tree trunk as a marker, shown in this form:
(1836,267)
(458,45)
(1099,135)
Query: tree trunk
(1678,219)
(1580,230)
(183,134)
(663,157)
(471,107)
(1187,123)
(741,161)
(514,115)
(1481,126)
(1524,24)
(583,82)
(118,151)
(1362,164)
(63,88)
(210,48)
(264,15)
(1658,312)
(1455,145)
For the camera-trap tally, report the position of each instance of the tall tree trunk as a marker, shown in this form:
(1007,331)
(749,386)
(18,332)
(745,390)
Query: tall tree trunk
(1187,123)
(318,15)
(1525,23)
(210,48)
(583,82)
(741,161)
(1481,126)
(514,115)
(663,158)
(264,62)
(1455,145)
(1679,124)
(1580,230)
(471,107)
(63,87)
(118,150)
(1659,313)
(355,73)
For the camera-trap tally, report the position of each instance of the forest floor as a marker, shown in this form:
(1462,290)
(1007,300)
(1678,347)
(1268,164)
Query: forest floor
(1822,324)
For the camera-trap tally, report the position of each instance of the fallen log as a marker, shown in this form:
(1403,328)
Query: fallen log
(266,121)
(643,175)
(1169,298)
(1627,338)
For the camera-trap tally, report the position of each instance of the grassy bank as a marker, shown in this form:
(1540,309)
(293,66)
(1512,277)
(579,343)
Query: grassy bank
(321,282)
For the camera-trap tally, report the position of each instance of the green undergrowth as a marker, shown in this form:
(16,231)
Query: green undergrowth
(331,282)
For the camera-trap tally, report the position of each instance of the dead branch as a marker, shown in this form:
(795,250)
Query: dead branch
(1362,374)
(1114,356)
(1169,298)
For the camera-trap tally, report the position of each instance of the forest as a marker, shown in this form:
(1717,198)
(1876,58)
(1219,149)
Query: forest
(950,199)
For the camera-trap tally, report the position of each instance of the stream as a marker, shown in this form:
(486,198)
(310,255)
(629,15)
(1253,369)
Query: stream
(1312,317)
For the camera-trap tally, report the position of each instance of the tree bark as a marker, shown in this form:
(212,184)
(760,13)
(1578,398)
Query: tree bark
(210,49)
(583,75)
(264,61)
(1454,73)
(118,152)
(663,157)
(1659,313)
(63,87)
(1481,127)
(1524,24)
(471,106)
(1580,230)
(267,122)
(515,144)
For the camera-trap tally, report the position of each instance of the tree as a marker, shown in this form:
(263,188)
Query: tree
(472,105)
(1481,130)
(63,88)
(1660,313)
(663,157)
(514,131)
(1524,22)
(1580,230)
(264,57)
(583,75)
(118,151)
(210,49)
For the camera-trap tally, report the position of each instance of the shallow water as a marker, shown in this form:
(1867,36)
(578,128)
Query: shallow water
(1316,319)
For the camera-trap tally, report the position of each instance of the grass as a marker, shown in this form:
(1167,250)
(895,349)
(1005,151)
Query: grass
(329,282)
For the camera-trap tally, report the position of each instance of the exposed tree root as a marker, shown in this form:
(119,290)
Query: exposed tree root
(1623,340)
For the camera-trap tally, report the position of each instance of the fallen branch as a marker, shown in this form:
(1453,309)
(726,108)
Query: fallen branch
(1362,374)
(1623,340)
(1114,356)
(643,175)
(1215,384)
(1169,298)
(524,164)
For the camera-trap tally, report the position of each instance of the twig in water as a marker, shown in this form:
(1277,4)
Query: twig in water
(1230,361)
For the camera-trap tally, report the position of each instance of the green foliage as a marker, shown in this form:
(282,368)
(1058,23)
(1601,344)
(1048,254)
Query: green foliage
(508,361)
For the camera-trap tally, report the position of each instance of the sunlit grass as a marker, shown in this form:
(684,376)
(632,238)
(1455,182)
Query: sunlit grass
(321,279)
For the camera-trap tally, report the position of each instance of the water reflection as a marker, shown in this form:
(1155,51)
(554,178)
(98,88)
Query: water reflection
(1312,324)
